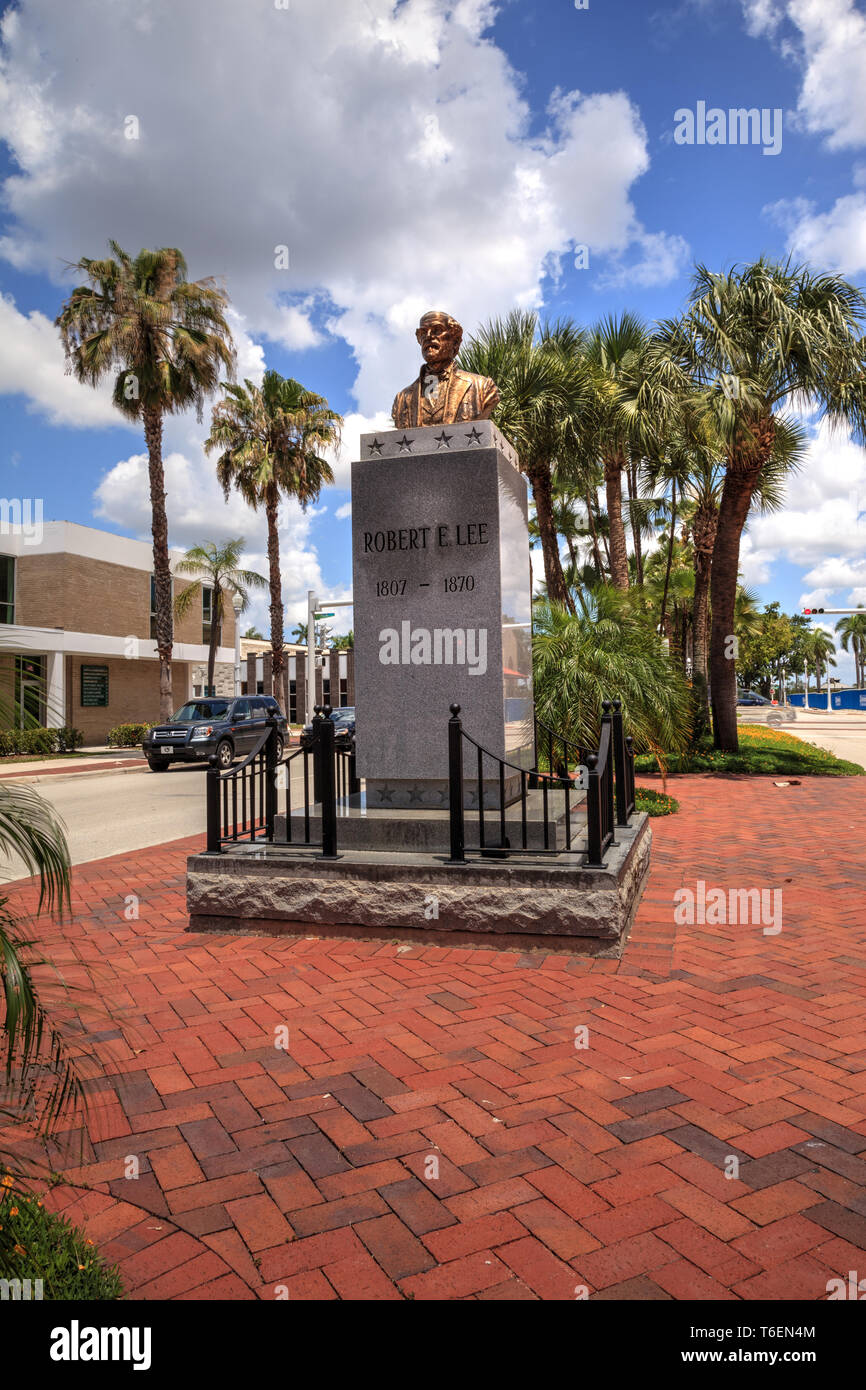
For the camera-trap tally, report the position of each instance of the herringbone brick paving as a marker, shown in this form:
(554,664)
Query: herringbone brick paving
(431,1130)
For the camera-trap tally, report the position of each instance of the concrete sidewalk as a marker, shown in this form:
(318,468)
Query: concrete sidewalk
(88,760)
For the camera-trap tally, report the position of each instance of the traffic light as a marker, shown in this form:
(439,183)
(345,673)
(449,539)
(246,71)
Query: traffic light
(808,611)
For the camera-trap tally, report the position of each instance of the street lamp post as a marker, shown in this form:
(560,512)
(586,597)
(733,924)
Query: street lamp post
(237,605)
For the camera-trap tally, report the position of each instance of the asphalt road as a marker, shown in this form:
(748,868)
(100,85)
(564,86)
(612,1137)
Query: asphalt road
(843,732)
(111,813)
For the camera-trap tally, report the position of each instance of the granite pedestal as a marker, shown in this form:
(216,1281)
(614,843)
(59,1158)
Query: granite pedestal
(442,610)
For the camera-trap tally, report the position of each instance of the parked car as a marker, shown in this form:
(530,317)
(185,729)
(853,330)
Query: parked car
(229,728)
(344,728)
(751,697)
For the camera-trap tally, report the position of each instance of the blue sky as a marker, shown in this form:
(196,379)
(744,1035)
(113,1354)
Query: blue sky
(444,153)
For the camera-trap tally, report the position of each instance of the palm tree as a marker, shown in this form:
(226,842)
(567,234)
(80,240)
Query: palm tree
(299,634)
(758,339)
(853,630)
(542,384)
(41,1083)
(632,403)
(166,339)
(273,439)
(218,568)
(821,648)
(607,650)
(344,643)
(252,634)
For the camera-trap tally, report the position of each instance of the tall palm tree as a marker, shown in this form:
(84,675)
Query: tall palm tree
(821,649)
(218,567)
(166,340)
(273,441)
(853,630)
(542,383)
(632,403)
(758,339)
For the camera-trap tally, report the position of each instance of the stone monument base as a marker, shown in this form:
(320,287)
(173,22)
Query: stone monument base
(512,904)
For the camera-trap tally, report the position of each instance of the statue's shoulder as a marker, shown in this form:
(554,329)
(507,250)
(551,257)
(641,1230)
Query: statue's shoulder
(468,377)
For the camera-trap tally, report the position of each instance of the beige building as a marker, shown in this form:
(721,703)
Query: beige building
(77,628)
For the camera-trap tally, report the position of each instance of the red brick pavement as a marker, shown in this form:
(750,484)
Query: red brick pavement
(432,1131)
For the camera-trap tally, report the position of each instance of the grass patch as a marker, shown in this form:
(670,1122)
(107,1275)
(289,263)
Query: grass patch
(654,803)
(37,1244)
(762,750)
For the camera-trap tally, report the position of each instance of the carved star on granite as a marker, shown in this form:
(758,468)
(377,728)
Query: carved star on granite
(386,793)
(444,794)
(443,440)
(474,437)
(416,795)
(375,447)
(405,444)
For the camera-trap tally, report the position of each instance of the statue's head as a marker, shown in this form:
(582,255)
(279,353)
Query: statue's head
(439,337)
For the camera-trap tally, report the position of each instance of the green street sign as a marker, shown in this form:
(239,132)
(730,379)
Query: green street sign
(322,615)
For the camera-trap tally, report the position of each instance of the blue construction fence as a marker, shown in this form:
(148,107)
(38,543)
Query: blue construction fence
(842,699)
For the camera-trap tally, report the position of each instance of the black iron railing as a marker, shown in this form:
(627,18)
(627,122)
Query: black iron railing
(243,802)
(604,774)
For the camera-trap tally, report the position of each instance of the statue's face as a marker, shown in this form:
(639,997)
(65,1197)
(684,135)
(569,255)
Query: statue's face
(439,341)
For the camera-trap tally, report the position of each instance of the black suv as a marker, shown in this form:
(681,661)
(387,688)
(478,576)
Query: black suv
(225,727)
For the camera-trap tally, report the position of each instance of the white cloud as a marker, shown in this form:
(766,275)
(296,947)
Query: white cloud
(831,50)
(388,148)
(834,240)
(32,364)
(198,511)
(660,259)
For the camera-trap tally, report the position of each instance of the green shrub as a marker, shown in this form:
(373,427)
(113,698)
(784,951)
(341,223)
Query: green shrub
(39,741)
(654,803)
(36,1244)
(69,740)
(607,651)
(127,735)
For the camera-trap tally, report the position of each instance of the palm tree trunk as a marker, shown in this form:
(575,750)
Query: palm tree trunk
(704,536)
(618,546)
(670,552)
(736,499)
(542,495)
(161,564)
(596,553)
(631,480)
(215,632)
(272,500)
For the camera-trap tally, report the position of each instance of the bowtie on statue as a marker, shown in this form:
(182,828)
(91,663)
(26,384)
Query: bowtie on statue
(431,386)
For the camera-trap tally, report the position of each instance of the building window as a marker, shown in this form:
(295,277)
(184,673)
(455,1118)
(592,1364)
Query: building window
(326,690)
(30,689)
(7,588)
(293,702)
(344,692)
(206,612)
(196,690)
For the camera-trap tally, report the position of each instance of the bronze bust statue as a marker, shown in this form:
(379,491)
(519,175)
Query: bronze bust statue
(442,394)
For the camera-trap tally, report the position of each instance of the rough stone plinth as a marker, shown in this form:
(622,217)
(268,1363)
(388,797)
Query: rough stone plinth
(507,903)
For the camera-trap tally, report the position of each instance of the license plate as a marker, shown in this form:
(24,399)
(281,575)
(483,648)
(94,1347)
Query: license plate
(166,748)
